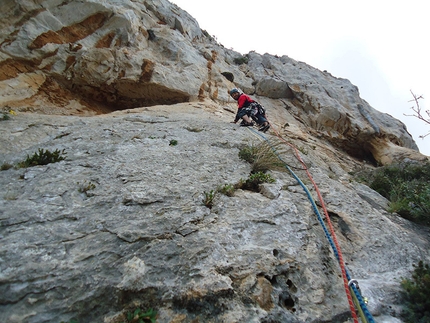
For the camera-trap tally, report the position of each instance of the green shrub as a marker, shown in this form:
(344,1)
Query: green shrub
(43,157)
(407,187)
(173,142)
(417,295)
(139,316)
(241,60)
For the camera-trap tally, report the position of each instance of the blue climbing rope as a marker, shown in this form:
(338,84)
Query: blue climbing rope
(365,315)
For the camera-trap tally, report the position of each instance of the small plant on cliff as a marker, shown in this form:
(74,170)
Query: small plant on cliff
(241,60)
(248,153)
(264,156)
(252,183)
(5,116)
(85,187)
(209,198)
(416,292)
(139,316)
(303,150)
(226,189)
(43,157)
(6,166)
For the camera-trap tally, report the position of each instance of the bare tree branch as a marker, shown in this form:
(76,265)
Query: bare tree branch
(417,111)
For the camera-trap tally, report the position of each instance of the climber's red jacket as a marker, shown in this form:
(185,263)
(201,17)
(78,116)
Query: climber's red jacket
(244,101)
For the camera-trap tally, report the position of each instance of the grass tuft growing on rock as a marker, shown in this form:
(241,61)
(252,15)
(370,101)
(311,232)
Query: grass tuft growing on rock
(227,189)
(209,198)
(264,156)
(43,157)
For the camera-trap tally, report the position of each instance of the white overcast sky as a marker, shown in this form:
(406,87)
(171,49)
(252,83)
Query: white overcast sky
(381,46)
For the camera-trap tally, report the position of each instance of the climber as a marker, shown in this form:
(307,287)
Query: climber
(249,110)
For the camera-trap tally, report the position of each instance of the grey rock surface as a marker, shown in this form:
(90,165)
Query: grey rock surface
(142,236)
(136,94)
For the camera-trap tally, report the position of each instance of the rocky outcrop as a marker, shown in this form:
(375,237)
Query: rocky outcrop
(94,57)
(117,54)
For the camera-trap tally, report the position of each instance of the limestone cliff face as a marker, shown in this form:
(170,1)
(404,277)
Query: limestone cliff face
(91,56)
(121,224)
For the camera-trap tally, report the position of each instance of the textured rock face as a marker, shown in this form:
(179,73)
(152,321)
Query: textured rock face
(117,54)
(121,224)
(93,57)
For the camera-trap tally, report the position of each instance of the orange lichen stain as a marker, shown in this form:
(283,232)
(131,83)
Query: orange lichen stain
(70,34)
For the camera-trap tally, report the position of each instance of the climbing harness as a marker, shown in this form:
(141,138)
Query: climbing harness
(351,286)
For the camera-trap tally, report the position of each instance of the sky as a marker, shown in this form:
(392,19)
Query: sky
(381,46)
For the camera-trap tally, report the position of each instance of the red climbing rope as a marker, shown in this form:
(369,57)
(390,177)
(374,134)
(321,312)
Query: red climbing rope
(333,234)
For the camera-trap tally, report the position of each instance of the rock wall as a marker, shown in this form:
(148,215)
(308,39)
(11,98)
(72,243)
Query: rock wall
(121,223)
(94,57)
